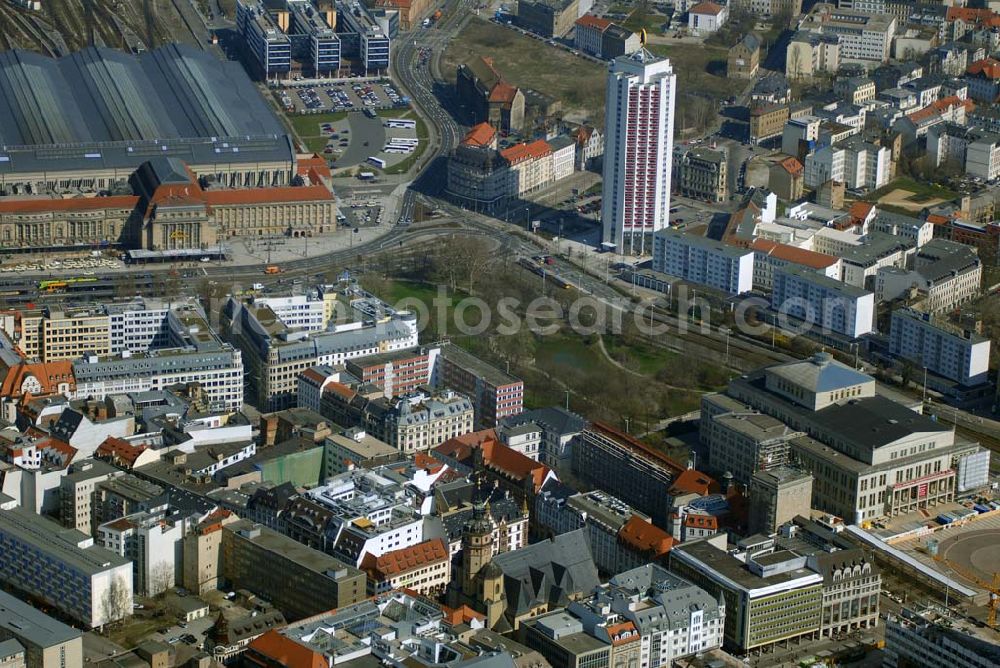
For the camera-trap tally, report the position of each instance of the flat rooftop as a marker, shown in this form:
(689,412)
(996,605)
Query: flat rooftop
(21,620)
(481,368)
(58,543)
(318,562)
(718,564)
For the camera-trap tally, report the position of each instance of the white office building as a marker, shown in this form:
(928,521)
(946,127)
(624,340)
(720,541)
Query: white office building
(934,344)
(703,261)
(982,157)
(297,311)
(813,298)
(152,543)
(639,146)
(855,163)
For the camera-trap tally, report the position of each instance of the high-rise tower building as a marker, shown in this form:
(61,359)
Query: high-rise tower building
(639,144)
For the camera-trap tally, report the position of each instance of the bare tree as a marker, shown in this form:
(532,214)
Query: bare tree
(116,602)
(161,578)
(795,61)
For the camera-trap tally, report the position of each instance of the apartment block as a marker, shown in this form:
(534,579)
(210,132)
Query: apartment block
(412,423)
(296,579)
(823,302)
(854,162)
(82,581)
(810,54)
(367,515)
(771,258)
(43,642)
(852,581)
(557,428)
(495,394)
(76,493)
(396,373)
(202,553)
(267,44)
(152,542)
(703,261)
(944,275)
(933,343)
(982,157)
(701,173)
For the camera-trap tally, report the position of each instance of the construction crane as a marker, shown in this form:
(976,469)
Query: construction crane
(992,587)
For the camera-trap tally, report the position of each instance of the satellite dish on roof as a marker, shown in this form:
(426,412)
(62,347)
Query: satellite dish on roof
(642,37)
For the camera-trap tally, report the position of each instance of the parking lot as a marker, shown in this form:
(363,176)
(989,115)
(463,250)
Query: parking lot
(341,96)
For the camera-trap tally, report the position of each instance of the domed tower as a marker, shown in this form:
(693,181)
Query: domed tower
(477,546)
(492,595)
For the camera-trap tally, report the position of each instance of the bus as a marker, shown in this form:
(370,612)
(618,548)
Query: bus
(399,141)
(401,123)
(397,149)
(366,176)
(378,162)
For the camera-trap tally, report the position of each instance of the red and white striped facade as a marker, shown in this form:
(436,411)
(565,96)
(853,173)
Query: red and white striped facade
(638,152)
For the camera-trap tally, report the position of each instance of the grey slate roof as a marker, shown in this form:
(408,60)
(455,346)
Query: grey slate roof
(552,419)
(548,572)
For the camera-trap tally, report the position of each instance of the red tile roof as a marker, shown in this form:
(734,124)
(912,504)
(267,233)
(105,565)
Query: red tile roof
(792,166)
(424,461)
(344,391)
(315,168)
(622,634)
(120,451)
(480,135)
(496,456)
(984,17)
(709,8)
(39,204)
(503,92)
(463,614)
(701,522)
(313,375)
(266,195)
(987,67)
(521,152)
(595,22)
(405,559)
(644,537)
(284,651)
(806,258)
(692,481)
(947,103)
(48,375)
(860,210)
(921,115)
